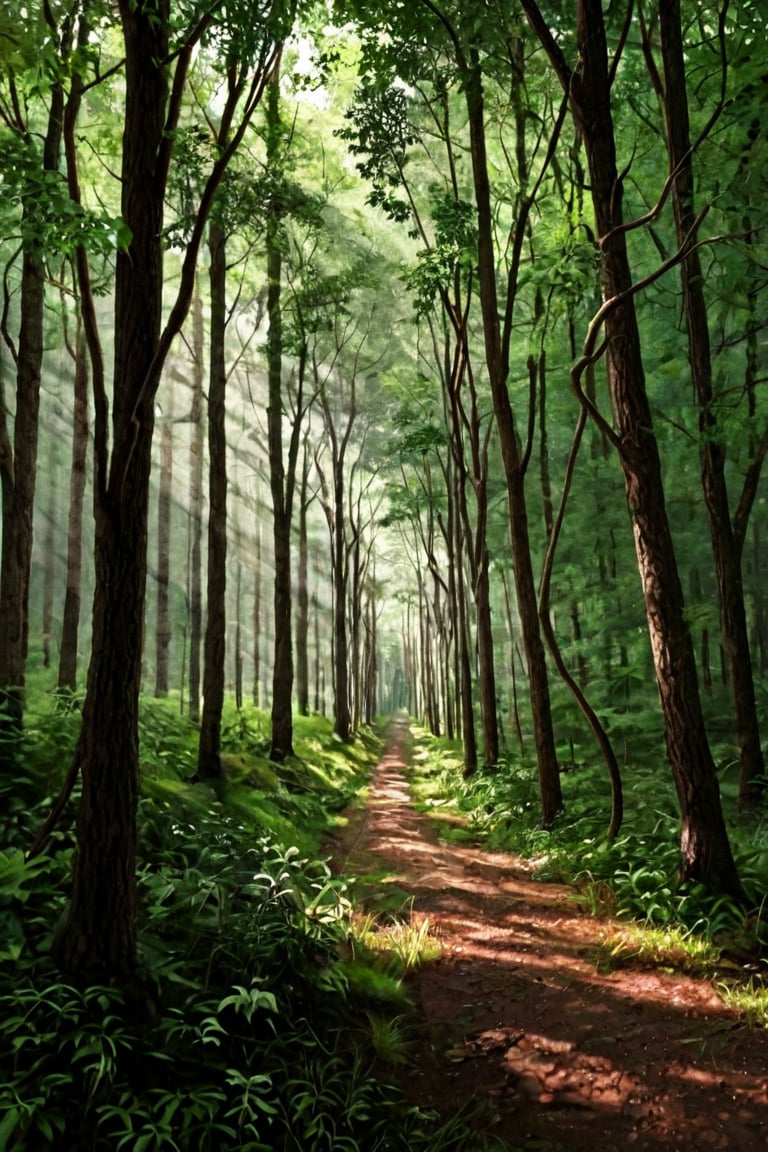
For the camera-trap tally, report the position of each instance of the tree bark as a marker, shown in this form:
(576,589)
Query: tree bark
(196,467)
(468,735)
(712,448)
(282,672)
(514,469)
(18,463)
(70,626)
(257,620)
(302,594)
(98,935)
(214,648)
(163,631)
(49,553)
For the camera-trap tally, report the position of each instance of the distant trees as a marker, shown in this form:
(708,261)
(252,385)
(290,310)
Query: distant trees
(512,125)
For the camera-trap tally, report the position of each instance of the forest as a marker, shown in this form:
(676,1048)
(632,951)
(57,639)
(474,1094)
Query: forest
(361,360)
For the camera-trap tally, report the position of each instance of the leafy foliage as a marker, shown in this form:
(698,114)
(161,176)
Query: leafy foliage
(635,877)
(263,1012)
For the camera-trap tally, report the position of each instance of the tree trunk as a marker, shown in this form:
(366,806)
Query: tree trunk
(99,933)
(316,631)
(196,464)
(343,722)
(733,616)
(468,735)
(214,650)
(49,553)
(71,615)
(546,755)
(257,620)
(282,671)
(238,639)
(355,618)
(162,619)
(18,464)
(302,594)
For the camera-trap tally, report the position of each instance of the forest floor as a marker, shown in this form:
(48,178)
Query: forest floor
(517,1015)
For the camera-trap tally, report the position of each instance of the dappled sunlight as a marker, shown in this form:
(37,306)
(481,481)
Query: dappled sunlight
(520,1013)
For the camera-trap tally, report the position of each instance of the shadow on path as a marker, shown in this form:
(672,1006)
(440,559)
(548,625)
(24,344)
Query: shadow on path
(516,1013)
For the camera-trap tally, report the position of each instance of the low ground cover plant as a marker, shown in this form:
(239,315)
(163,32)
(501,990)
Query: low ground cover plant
(262,1018)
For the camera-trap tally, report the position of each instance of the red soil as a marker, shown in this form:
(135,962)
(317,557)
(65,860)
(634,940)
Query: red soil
(516,1014)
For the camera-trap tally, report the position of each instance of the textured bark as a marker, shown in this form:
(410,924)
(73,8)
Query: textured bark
(343,719)
(49,554)
(70,626)
(302,595)
(514,465)
(196,452)
(257,621)
(317,654)
(370,661)
(355,620)
(238,639)
(468,736)
(18,464)
(334,506)
(464,421)
(214,646)
(282,669)
(163,631)
(99,933)
(712,447)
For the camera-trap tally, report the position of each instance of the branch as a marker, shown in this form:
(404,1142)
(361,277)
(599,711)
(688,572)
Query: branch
(749,490)
(591,354)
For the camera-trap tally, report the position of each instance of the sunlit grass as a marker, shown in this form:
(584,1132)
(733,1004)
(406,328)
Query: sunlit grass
(747,997)
(403,944)
(669,947)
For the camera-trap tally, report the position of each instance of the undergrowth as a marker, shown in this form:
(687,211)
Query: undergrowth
(633,879)
(266,1016)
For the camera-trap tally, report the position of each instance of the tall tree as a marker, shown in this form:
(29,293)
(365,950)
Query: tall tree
(70,625)
(705,849)
(214,646)
(302,590)
(727,538)
(163,632)
(281,478)
(97,936)
(196,468)
(40,177)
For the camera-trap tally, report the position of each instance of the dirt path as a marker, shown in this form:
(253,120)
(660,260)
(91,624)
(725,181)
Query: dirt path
(516,1013)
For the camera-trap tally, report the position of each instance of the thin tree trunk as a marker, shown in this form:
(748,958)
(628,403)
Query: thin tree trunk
(163,619)
(49,553)
(468,736)
(238,640)
(302,594)
(70,625)
(196,463)
(712,449)
(282,671)
(514,464)
(355,614)
(257,621)
(316,612)
(18,463)
(214,650)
